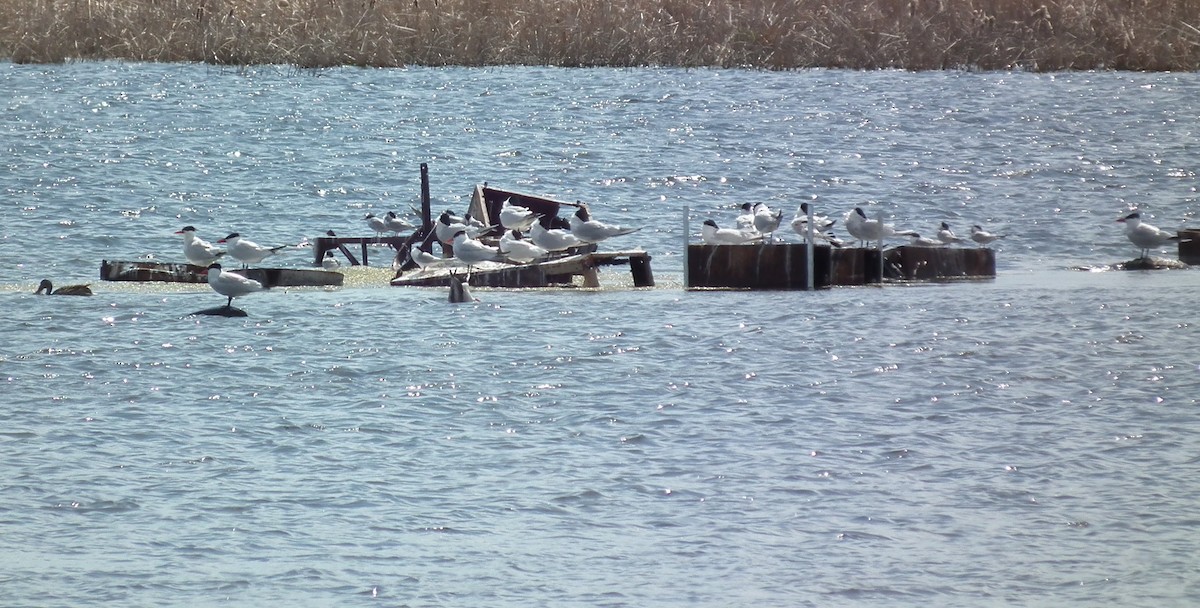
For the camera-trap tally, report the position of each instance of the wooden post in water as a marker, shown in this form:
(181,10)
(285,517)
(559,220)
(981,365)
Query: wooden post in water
(639,268)
(426,215)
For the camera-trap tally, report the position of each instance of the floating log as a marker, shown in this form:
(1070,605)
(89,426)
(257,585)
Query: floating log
(559,271)
(783,265)
(166,272)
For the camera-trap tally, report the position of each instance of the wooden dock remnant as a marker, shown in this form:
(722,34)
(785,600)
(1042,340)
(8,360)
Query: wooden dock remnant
(165,272)
(399,243)
(326,243)
(487,201)
(556,272)
(784,265)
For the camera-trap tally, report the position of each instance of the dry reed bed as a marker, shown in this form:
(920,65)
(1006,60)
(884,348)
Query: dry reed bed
(773,34)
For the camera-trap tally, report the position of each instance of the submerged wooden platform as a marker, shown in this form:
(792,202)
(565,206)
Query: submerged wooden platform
(167,272)
(785,265)
(485,206)
(556,272)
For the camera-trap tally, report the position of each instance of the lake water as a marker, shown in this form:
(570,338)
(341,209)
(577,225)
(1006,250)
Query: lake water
(1032,440)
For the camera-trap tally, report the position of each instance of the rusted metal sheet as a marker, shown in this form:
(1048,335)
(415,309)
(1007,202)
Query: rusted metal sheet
(782,266)
(777,266)
(939,263)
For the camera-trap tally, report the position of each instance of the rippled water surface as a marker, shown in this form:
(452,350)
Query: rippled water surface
(1030,440)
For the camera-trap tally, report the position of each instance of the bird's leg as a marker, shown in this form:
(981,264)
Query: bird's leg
(229,304)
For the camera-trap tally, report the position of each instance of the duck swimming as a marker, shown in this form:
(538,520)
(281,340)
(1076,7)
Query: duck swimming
(69,290)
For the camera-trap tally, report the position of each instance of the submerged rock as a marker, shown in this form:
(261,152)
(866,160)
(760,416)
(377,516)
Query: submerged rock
(1148,263)
(222,311)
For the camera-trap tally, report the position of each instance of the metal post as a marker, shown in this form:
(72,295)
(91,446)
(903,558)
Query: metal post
(879,217)
(808,252)
(687,235)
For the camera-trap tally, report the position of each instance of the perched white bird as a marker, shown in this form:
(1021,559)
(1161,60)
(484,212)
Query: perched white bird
(198,251)
(713,235)
(329,262)
(983,237)
(448,225)
(445,229)
(866,230)
(471,252)
(230,284)
(589,230)
(1144,236)
(518,249)
(514,217)
(822,226)
(376,224)
(424,259)
(248,252)
(555,239)
(916,240)
(820,222)
(395,223)
(766,221)
(947,236)
(745,221)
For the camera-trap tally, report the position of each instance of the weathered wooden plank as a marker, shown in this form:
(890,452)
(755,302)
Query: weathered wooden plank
(545,274)
(486,202)
(165,272)
(326,243)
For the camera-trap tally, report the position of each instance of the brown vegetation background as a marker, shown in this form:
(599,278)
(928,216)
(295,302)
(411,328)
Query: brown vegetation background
(772,34)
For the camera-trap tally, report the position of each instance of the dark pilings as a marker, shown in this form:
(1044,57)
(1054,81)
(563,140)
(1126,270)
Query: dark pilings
(639,269)
(426,214)
(782,266)
(1189,246)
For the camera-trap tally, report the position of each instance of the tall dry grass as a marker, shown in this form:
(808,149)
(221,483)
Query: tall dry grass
(773,34)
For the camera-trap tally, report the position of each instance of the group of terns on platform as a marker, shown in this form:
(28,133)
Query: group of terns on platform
(758,223)
(200,252)
(523,237)
(465,235)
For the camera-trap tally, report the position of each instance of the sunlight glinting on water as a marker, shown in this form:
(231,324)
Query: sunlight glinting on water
(1024,440)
